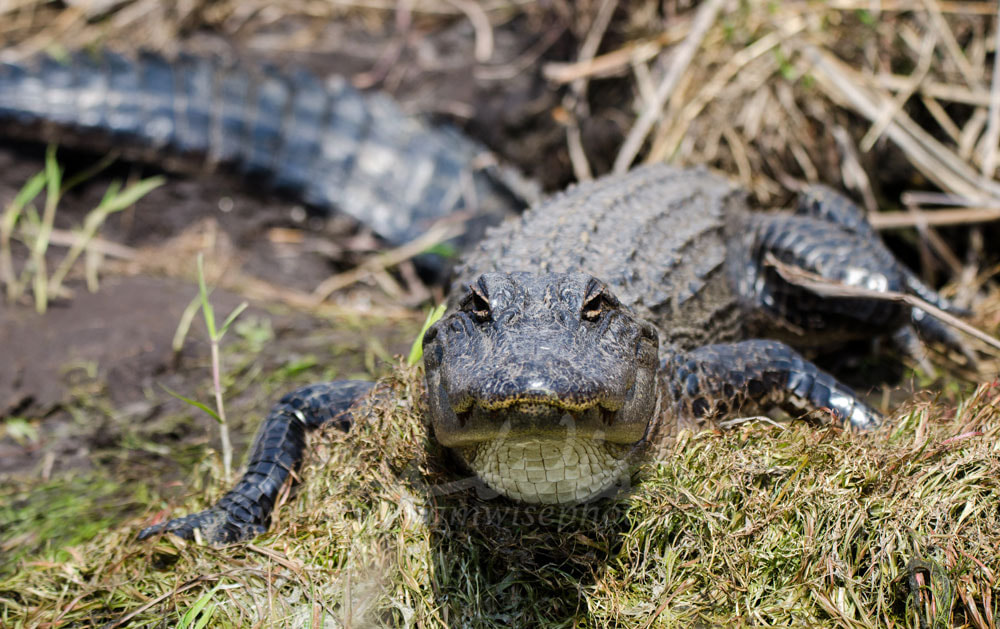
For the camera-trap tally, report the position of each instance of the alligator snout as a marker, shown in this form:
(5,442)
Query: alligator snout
(530,421)
(572,394)
(540,357)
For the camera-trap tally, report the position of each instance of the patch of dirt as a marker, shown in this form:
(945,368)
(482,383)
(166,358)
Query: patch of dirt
(110,350)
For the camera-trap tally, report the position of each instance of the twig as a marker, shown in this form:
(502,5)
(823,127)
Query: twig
(917,198)
(950,92)
(935,218)
(480,25)
(831,288)
(736,421)
(679,63)
(941,116)
(951,45)
(711,90)
(593,41)
(963,8)
(577,154)
(393,49)
(424,8)
(933,159)
(65,238)
(438,233)
(895,105)
(187,586)
(576,101)
(851,171)
(992,135)
(609,64)
(932,240)
(527,59)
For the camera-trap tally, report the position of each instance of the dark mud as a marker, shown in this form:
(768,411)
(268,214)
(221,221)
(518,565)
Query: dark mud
(108,353)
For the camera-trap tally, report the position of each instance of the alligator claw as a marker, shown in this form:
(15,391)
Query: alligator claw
(217,526)
(934,330)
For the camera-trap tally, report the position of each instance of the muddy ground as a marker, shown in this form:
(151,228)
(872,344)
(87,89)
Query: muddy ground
(84,387)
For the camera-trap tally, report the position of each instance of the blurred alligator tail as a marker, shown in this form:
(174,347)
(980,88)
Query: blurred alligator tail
(323,141)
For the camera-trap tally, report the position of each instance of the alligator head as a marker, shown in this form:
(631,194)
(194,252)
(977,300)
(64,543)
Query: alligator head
(543,383)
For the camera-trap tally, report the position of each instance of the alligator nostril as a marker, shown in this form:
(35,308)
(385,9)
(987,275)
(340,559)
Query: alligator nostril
(538,388)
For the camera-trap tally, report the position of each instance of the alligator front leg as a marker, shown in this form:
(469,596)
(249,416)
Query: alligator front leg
(822,202)
(245,511)
(829,236)
(714,382)
(821,209)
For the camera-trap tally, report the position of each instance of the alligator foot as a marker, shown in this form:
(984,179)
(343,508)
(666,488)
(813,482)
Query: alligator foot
(830,236)
(245,511)
(718,381)
(216,526)
(830,206)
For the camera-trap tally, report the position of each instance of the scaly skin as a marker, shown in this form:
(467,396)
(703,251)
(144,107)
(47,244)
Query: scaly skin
(245,511)
(674,248)
(582,335)
(334,147)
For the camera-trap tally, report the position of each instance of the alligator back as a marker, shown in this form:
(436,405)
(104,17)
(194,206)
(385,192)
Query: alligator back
(656,235)
(328,143)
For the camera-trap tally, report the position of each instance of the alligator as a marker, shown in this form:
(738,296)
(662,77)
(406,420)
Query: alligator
(320,140)
(582,336)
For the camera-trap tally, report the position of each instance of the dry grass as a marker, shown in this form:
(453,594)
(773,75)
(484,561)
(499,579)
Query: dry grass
(759,525)
(895,101)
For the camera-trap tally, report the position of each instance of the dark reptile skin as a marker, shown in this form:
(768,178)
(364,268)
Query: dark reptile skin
(827,250)
(857,245)
(245,511)
(680,249)
(714,382)
(825,203)
(333,146)
(658,236)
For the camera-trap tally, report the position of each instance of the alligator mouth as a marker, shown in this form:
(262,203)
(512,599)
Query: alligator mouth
(535,420)
(539,412)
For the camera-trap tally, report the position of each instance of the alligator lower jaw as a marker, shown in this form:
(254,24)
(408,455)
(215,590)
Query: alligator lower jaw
(546,471)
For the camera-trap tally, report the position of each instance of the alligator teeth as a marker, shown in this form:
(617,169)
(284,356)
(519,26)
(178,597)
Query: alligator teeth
(607,416)
(534,409)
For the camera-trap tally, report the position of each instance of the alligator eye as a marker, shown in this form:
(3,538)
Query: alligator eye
(597,301)
(476,304)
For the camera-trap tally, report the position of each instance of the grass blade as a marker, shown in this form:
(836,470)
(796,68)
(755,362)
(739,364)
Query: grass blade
(53,185)
(237,311)
(417,349)
(192,402)
(27,194)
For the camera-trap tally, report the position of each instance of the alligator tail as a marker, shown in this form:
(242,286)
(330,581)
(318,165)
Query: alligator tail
(324,141)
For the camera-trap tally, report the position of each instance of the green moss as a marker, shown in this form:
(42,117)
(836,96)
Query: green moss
(760,525)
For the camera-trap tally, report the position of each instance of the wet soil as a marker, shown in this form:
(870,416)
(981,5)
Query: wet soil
(115,345)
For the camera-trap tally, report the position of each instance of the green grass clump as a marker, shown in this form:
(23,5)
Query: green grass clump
(756,526)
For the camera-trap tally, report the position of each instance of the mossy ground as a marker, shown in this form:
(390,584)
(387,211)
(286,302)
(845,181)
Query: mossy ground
(764,524)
